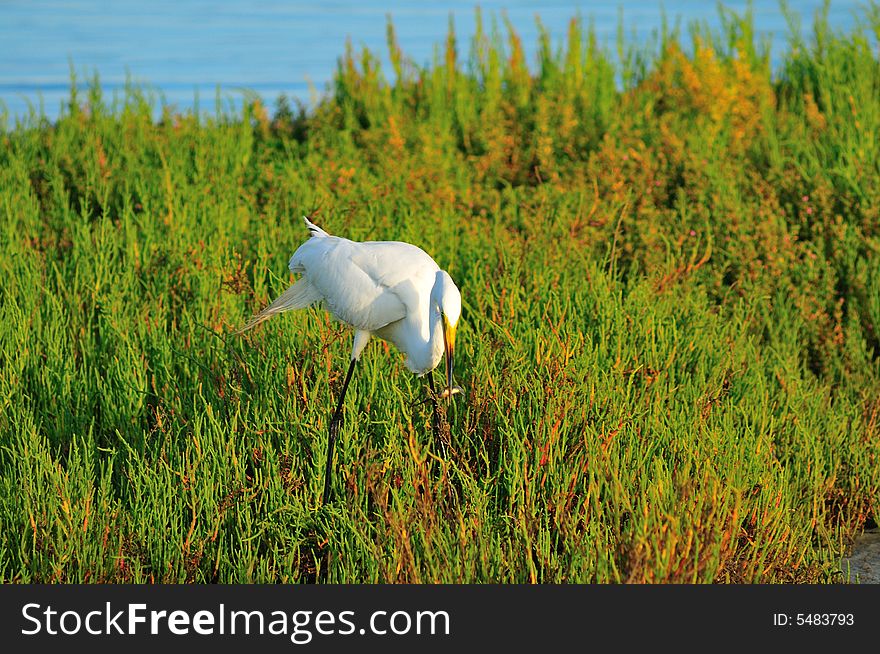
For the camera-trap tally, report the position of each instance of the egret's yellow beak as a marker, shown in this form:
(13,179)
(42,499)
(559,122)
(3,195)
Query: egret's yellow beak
(449,343)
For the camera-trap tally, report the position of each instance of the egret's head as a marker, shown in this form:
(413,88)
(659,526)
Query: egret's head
(449,301)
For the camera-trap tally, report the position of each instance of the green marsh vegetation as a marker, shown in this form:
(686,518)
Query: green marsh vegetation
(668,255)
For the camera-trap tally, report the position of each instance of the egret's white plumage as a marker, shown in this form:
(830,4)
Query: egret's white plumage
(389,289)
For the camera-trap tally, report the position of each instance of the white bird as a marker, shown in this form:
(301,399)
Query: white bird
(389,289)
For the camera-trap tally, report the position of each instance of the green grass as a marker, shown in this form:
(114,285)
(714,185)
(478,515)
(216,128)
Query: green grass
(669,264)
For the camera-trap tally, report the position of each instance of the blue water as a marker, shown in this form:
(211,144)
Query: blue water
(189,49)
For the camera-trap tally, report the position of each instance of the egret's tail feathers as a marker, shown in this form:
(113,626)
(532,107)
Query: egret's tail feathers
(299,296)
(314,230)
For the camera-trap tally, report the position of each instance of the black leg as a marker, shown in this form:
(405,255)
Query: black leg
(435,421)
(334,429)
(436,417)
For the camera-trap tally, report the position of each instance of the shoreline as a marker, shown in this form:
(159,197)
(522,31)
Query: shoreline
(863,564)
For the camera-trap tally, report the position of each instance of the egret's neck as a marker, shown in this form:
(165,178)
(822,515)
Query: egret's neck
(421,339)
(435,335)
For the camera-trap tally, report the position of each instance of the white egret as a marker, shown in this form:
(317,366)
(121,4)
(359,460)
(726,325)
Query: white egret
(388,289)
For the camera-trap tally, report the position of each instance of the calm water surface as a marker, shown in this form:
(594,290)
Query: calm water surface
(187,48)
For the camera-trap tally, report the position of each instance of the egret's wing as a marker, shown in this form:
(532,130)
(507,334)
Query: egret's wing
(348,285)
(405,270)
(394,264)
